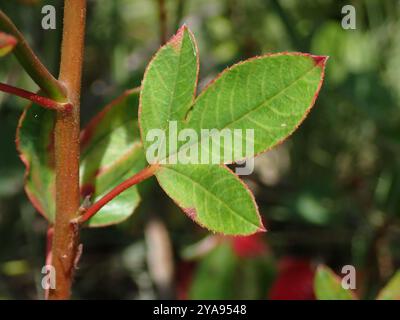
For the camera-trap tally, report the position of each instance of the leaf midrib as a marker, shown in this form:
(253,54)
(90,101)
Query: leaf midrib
(169,113)
(215,197)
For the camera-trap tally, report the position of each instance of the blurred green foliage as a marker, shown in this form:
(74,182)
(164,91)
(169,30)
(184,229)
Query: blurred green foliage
(329,194)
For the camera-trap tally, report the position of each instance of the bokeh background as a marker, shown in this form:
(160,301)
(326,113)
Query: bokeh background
(330,194)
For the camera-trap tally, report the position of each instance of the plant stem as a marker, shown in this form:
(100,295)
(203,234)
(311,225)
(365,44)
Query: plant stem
(31,63)
(49,244)
(180,8)
(42,101)
(162,18)
(66,139)
(137,178)
(294,35)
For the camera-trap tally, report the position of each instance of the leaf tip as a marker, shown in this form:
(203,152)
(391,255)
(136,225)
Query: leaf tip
(320,60)
(176,40)
(262,229)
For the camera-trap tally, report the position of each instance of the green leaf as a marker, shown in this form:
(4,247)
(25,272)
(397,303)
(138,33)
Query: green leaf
(169,83)
(35,145)
(111,152)
(270,95)
(327,286)
(212,196)
(7,43)
(219,265)
(392,290)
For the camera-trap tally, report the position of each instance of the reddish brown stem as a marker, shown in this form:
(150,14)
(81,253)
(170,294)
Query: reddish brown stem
(137,178)
(66,142)
(35,98)
(162,18)
(180,8)
(49,244)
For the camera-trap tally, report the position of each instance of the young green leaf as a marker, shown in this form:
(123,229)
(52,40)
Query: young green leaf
(111,152)
(270,95)
(212,196)
(35,145)
(392,290)
(169,83)
(327,286)
(7,43)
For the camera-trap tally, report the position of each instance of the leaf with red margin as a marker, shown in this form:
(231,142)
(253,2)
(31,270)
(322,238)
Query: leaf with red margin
(169,84)
(111,151)
(7,43)
(212,196)
(35,145)
(271,95)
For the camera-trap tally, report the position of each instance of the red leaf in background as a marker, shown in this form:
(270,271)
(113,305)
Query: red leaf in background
(294,280)
(184,279)
(7,43)
(249,246)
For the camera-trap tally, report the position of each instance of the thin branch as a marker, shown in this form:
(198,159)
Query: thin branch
(180,8)
(31,63)
(35,98)
(162,18)
(137,178)
(289,25)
